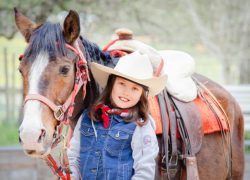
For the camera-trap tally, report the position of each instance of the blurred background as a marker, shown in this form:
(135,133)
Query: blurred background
(215,33)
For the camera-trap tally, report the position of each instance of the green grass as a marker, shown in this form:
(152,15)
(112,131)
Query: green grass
(9,134)
(247,150)
(247,137)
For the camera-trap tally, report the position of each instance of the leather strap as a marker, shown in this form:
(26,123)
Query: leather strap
(192,169)
(164,128)
(190,126)
(165,106)
(172,164)
(220,114)
(57,170)
(173,127)
(184,135)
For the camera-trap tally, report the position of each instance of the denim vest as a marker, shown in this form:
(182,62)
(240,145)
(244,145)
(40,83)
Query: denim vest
(109,155)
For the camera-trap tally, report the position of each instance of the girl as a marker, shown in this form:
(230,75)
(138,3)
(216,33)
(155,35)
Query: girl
(115,139)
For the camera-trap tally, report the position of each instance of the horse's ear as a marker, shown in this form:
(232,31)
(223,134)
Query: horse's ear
(25,25)
(71,27)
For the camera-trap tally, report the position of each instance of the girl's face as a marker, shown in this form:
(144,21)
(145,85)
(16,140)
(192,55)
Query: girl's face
(125,94)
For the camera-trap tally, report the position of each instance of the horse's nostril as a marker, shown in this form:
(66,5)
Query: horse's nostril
(30,151)
(42,135)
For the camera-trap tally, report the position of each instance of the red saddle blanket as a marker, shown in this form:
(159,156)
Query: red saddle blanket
(208,117)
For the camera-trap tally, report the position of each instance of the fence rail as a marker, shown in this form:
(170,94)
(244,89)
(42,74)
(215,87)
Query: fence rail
(15,164)
(242,95)
(10,87)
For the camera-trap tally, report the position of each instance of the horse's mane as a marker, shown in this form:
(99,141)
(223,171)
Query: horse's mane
(94,54)
(47,38)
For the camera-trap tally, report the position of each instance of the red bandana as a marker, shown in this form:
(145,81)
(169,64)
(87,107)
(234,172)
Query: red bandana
(107,110)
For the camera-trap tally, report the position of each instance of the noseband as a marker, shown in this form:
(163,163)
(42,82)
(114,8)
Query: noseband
(81,78)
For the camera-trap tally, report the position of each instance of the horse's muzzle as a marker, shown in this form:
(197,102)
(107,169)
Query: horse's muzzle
(32,141)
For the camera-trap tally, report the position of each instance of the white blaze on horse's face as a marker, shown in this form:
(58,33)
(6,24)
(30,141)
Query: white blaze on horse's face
(32,129)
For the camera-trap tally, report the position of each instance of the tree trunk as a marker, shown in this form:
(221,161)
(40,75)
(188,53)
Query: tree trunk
(226,73)
(245,71)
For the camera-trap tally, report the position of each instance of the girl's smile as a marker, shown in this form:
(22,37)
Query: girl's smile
(124,99)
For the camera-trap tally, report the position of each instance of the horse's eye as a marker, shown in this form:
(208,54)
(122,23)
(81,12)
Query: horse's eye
(64,70)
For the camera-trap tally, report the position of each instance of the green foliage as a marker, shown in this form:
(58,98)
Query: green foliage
(247,135)
(9,134)
(221,26)
(247,150)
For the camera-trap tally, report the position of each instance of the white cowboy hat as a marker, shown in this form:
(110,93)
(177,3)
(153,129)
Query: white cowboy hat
(135,67)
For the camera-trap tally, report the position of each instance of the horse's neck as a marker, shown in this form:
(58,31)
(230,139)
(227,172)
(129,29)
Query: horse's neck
(81,104)
(92,53)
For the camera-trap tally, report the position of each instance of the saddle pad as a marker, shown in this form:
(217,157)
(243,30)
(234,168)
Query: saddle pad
(209,120)
(154,108)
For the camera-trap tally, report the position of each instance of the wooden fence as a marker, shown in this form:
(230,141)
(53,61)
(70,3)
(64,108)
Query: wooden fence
(11,91)
(10,87)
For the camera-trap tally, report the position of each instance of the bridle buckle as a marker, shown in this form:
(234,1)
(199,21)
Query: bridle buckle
(59,113)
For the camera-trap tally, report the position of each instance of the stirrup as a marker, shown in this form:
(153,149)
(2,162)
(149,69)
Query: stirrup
(172,164)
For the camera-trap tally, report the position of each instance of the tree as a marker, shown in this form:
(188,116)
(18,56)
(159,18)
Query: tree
(221,25)
(37,10)
(224,28)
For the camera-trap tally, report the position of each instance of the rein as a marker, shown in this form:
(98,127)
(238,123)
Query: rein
(64,111)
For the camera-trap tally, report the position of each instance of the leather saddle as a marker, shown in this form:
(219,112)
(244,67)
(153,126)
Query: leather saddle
(183,119)
(182,136)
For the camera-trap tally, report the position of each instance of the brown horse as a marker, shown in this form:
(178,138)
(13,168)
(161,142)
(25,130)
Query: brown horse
(48,68)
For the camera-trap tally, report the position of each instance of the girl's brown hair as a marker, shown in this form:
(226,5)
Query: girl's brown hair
(137,113)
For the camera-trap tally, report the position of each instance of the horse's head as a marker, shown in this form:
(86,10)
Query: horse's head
(48,72)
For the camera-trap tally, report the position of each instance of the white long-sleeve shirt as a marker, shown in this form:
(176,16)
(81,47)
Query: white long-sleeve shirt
(144,145)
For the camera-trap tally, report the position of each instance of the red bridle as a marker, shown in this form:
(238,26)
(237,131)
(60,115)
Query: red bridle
(64,111)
